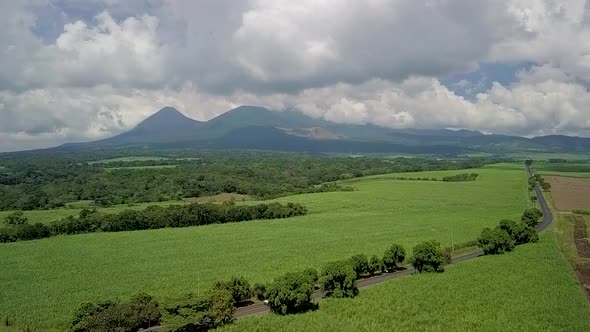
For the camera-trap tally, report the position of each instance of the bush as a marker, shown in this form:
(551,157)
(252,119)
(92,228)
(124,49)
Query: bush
(375,265)
(238,287)
(16,218)
(195,313)
(428,257)
(339,279)
(360,264)
(142,311)
(259,291)
(495,241)
(394,256)
(290,293)
(531,216)
(312,275)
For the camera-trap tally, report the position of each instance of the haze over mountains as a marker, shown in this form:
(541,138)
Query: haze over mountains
(251,127)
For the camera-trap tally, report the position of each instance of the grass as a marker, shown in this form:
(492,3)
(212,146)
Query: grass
(530,289)
(43,281)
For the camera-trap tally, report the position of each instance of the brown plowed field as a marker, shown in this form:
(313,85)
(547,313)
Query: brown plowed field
(570,193)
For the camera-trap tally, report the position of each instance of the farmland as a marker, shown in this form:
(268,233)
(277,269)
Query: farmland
(531,289)
(570,193)
(167,262)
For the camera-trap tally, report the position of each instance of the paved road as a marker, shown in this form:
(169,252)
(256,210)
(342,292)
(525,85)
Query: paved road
(260,309)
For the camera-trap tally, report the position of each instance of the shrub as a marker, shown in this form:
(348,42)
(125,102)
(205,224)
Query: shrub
(495,241)
(16,218)
(312,275)
(360,264)
(142,311)
(525,234)
(238,287)
(531,216)
(195,313)
(339,279)
(394,256)
(428,257)
(259,291)
(375,265)
(290,293)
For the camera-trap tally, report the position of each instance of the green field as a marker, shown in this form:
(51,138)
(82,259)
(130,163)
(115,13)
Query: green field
(43,281)
(530,289)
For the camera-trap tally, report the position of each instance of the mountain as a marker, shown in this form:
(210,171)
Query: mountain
(252,127)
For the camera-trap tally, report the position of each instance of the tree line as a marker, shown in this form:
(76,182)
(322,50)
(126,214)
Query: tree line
(16,226)
(43,181)
(461,177)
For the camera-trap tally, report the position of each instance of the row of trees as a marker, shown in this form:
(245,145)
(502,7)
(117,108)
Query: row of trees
(154,217)
(509,233)
(461,177)
(542,183)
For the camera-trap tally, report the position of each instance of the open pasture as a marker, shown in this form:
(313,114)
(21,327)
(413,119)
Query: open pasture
(35,275)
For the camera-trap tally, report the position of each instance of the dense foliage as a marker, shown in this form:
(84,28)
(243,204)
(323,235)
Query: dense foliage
(142,311)
(508,234)
(428,257)
(531,216)
(360,264)
(338,279)
(290,293)
(461,177)
(40,181)
(154,217)
(393,257)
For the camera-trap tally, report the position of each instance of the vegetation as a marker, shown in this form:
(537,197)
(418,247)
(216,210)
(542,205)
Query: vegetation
(393,257)
(338,279)
(103,265)
(38,181)
(506,235)
(140,312)
(238,287)
(360,265)
(154,217)
(428,257)
(537,291)
(290,293)
(531,217)
(375,265)
(461,177)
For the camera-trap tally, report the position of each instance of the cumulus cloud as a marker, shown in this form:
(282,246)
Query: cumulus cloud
(78,70)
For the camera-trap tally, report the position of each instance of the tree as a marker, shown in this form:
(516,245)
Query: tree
(259,291)
(339,279)
(545,185)
(312,275)
(531,216)
(375,265)
(394,256)
(428,257)
(508,226)
(16,218)
(495,241)
(239,288)
(221,307)
(360,264)
(523,233)
(290,293)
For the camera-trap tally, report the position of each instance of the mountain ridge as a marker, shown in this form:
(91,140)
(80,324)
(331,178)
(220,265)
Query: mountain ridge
(264,129)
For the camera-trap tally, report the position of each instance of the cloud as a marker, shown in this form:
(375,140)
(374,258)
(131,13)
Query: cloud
(79,70)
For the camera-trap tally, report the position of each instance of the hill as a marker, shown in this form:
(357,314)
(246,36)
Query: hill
(251,127)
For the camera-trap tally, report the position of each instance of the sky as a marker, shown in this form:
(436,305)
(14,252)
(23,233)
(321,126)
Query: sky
(79,70)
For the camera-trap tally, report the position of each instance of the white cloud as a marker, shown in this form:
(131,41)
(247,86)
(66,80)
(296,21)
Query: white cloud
(366,61)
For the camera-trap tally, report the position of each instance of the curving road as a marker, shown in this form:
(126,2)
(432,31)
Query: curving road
(546,221)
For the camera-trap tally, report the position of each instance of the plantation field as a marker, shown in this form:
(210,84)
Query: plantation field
(530,289)
(43,281)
